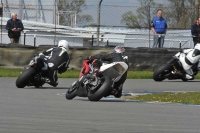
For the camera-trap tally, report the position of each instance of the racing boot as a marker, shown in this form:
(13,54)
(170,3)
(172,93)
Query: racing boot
(118,92)
(179,74)
(189,77)
(48,81)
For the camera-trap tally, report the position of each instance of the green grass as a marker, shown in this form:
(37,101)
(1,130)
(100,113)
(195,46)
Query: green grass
(140,75)
(9,72)
(181,97)
(69,74)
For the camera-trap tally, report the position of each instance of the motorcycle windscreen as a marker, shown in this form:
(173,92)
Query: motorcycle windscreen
(114,70)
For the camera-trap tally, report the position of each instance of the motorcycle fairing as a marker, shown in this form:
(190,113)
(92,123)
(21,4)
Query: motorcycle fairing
(114,70)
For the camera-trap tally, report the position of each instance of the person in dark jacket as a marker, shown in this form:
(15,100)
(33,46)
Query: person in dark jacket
(116,56)
(57,60)
(195,31)
(14,27)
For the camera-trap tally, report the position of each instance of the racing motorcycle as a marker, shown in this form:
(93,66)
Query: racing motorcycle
(172,70)
(101,86)
(32,74)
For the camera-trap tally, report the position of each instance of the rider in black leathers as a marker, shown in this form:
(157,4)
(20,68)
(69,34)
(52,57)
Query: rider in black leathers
(55,60)
(116,56)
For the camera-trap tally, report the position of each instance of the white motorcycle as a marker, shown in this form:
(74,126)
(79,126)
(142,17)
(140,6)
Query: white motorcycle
(173,69)
(101,86)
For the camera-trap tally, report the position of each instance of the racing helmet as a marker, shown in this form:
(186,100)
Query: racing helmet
(64,44)
(119,49)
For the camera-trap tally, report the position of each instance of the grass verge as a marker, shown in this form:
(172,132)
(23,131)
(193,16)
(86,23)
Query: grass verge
(10,72)
(181,97)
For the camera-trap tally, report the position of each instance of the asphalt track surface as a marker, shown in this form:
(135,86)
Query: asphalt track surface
(46,110)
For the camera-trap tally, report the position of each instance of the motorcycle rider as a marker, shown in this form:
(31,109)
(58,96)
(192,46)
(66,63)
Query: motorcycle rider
(116,56)
(188,58)
(54,60)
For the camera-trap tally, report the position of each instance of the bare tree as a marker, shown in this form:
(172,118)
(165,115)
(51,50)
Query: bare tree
(182,13)
(70,12)
(130,20)
(178,13)
(142,18)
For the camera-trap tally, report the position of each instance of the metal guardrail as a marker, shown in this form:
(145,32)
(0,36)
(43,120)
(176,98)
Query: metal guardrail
(93,39)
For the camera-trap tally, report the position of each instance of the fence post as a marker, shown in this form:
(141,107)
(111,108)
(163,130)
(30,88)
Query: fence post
(198,25)
(107,42)
(1,14)
(92,39)
(24,38)
(98,18)
(149,6)
(180,44)
(34,40)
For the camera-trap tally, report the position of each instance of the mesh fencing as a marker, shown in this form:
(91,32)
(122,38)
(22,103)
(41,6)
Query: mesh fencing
(119,25)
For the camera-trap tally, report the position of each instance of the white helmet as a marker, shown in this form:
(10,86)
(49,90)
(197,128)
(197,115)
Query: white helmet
(64,44)
(119,49)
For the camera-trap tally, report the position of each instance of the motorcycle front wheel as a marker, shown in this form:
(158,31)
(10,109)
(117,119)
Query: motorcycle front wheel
(25,77)
(106,83)
(162,71)
(71,93)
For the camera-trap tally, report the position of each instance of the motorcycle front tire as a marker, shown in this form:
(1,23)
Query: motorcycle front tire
(160,72)
(71,93)
(24,78)
(104,89)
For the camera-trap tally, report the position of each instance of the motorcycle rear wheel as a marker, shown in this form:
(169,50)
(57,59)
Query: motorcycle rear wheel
(25,77)
(160,72)
(103,90)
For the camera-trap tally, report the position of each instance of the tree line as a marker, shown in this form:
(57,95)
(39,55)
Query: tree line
(179,14)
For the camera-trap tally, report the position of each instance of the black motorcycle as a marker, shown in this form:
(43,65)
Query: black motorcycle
(32,74)
(172,70)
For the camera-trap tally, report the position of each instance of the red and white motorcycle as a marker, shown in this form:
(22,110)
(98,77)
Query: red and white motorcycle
(99,87)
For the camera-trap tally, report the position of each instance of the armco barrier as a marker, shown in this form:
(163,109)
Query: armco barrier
(139,58)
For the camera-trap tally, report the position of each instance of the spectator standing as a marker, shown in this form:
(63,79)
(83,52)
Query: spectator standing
(195,31)
(14,27)
(159,28)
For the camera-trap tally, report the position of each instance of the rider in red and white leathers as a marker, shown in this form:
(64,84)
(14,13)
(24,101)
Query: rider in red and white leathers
(116,56)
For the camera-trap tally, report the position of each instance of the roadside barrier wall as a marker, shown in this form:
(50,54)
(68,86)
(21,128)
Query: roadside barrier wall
(15,56)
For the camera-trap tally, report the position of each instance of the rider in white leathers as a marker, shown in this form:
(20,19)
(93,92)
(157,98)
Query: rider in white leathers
(188,58)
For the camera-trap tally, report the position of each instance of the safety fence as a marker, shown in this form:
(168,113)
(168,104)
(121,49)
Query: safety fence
(118,25)
(34,39)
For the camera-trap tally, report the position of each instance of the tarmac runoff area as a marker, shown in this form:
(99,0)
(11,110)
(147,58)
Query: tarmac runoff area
(45,110)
